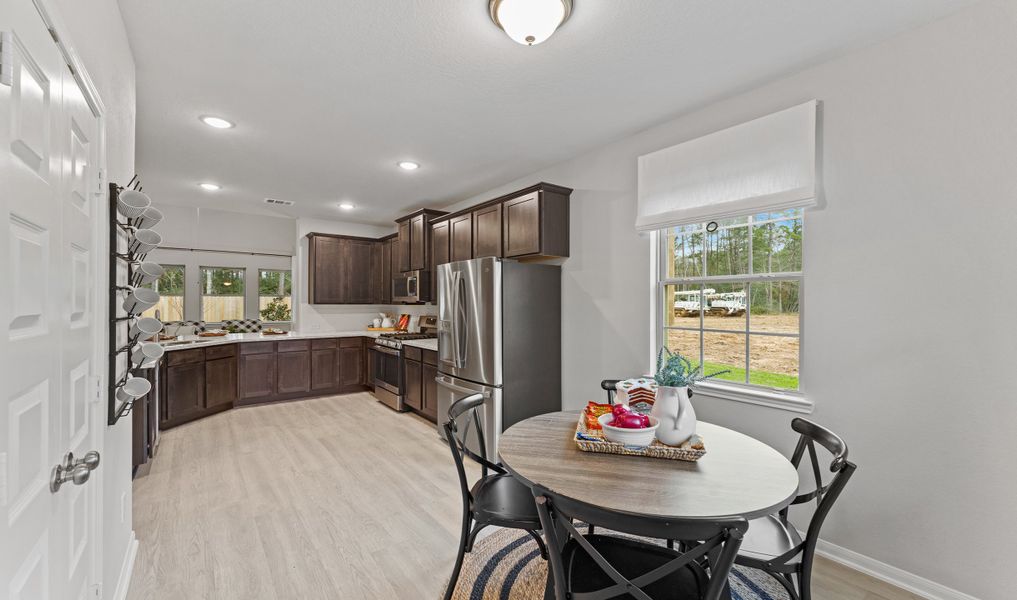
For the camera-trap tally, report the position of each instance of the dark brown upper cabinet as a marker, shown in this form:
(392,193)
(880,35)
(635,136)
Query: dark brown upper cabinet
(415,240)
(487,231)
(439,252)
(535,223)
(385,285)
(461,237)
(344,270)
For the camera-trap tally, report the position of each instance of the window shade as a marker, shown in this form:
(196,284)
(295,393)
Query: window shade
(765,164)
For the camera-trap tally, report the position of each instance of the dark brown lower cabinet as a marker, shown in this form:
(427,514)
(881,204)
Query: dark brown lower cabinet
(293,372)
(220,382)
(257,377)
(429,374)
(413,392)
(323,370)
(351,367)
(185,391)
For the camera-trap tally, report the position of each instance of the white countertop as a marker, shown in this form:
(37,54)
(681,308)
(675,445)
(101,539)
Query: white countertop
(431,344)
(185,342)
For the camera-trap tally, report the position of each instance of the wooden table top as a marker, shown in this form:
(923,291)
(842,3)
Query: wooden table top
(738,476)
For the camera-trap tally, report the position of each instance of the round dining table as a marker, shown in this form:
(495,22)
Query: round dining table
(739,476)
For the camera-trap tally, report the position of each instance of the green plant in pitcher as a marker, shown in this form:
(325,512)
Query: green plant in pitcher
(674,370)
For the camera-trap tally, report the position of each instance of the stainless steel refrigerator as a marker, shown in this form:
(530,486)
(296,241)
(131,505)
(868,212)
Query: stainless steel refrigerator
(499,333)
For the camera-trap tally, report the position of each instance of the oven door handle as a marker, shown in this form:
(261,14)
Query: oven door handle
(385,350)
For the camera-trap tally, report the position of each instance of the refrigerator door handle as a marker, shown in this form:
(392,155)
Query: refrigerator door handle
(456,275)
(447,383)
(462,351)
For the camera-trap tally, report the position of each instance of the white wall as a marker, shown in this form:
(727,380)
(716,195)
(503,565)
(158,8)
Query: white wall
(213,229)
(95,30)
(920,156)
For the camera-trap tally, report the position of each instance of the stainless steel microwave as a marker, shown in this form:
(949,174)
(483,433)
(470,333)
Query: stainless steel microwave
(412,287)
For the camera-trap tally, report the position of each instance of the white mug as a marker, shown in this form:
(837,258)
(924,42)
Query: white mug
(140,300)
(144,328)
(131,203)
(143,241)
(133,388)
(147,272)
(149,218)
(149,351)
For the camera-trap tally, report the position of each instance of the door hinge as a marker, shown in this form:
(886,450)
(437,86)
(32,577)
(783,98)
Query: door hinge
(6,58)
(95,591)
(97,382)
(98,185)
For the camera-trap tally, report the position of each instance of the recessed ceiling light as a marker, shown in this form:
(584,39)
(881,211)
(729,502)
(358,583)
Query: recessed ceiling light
(529,22)
(347,205)
(217,122)
(408,165)
(210,187)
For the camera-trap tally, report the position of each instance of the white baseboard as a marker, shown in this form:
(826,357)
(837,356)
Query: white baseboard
(127,569)
(890,574)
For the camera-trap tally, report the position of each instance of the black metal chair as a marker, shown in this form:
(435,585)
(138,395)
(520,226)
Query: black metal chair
(772,543)
(496,498)
(609,386)
(598,566)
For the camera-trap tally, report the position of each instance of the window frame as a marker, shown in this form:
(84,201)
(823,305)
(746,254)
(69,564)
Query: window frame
(201,293)
(257,310)
(792,400)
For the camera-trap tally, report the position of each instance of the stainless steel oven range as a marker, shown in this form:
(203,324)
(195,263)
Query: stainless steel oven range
(388,364)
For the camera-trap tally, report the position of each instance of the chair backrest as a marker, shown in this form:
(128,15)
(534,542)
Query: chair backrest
(825,493)
(717,540)
(611,386)
(171,327)
(244,325)
(464,418)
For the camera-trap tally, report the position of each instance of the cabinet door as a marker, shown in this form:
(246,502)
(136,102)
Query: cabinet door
(394,249)
(351,367)
(404,246)
(418,247)
(220,382)
(323,370)
(487,232)
(327,268)
(414,393)
(359,288)
(439,253)
(430,388)
(185,391)
(461,238)
(293,372)
(522,225)
(257,376)
(386,272)
(376,273)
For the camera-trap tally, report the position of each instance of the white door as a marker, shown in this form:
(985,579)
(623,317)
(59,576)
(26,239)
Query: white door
(49,149)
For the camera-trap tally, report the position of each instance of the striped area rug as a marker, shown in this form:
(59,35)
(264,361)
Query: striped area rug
(506,565)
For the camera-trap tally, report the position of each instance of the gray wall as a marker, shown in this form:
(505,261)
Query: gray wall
(909,332)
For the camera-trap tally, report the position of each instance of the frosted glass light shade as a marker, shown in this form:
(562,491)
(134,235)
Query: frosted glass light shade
(530,22)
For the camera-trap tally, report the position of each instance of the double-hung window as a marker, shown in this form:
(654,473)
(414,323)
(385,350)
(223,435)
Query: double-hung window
(730,294)
(275,289)
(222,294)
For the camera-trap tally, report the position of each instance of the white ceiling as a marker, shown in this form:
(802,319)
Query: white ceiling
(328,95)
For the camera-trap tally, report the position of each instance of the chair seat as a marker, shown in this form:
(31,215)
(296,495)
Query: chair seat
(631,558)
(501,500)
(768,538)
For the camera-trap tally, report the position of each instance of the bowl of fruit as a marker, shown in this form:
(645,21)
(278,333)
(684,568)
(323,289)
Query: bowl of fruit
(626,426)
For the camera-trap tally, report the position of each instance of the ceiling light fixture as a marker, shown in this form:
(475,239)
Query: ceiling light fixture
(210,187)
(217,122)
(347,205)
(408,165)
(530,22)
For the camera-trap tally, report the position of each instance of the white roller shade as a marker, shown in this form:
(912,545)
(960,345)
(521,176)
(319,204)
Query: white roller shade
(765,164)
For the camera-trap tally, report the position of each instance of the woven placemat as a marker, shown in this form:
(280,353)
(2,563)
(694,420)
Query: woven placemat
(593,440)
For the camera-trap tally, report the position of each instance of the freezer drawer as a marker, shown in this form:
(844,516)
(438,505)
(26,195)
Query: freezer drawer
(451,389)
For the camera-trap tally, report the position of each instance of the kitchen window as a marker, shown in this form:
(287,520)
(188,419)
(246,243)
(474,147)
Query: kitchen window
(222,294)
(171,294)
(730,295)
(275,290)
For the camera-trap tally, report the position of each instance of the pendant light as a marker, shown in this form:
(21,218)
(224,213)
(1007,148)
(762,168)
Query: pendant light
(530,22)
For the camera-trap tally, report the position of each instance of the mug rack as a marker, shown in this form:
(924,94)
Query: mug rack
(131,256)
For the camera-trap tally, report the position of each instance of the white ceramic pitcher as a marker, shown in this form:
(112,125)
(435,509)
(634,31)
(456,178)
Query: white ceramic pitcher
(677,417)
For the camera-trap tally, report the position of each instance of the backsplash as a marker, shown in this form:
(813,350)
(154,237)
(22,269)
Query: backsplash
(322,317)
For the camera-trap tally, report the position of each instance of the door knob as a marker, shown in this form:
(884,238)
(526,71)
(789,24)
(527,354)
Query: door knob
(73,471)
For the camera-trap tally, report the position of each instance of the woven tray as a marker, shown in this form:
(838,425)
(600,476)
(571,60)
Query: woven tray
(592,440)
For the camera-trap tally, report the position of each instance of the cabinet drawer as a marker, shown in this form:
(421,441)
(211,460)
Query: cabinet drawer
(183,357)
(214,352)
(430,357)
(350,342)
(323,344)
(257,348)
(411,353)
(294,346)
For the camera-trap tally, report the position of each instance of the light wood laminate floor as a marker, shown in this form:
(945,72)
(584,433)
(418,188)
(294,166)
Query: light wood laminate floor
(330,498)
